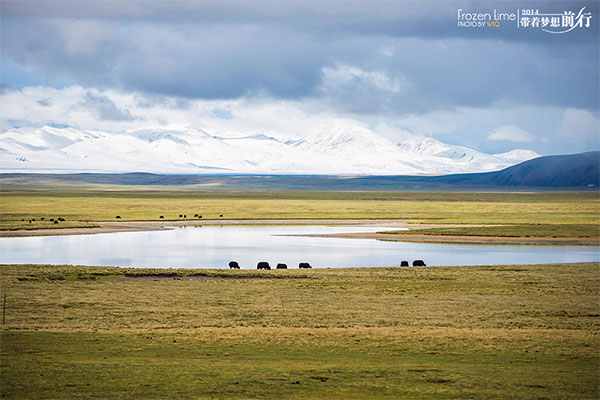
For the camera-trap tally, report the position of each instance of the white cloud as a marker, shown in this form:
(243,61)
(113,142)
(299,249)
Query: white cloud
(392,132)
(115,111)
(346,75)
(119,111)
(580,126)
(511,133)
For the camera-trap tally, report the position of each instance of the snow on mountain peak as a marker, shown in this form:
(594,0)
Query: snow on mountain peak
(339,148)
(519,155)
(433,147)
(338,137)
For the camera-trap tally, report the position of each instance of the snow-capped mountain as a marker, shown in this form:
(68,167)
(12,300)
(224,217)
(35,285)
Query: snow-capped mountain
(335,149)
(465,156)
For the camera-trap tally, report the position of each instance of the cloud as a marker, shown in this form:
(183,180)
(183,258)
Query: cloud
(104,107)
(223,113)
(354,89)
(582,127)
(511,133)
(346,75)
(360,58)
(489,129)
(395,19)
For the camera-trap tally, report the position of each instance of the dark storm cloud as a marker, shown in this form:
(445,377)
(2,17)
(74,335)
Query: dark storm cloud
(412,18)
(183,60)
(287,49)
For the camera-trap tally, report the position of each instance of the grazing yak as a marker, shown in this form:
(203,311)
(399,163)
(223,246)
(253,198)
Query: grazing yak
(162,217)
(234,265)
(281,266)
(263,265)
(404,264)
(220,215)
(180,215)
(56,222)
(419,263)
(304,265)
(118,217)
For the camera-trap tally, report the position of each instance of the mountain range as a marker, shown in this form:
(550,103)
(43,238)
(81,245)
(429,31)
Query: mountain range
(568,172)
(339,149)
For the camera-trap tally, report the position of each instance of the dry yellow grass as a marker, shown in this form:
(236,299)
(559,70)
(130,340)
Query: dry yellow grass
(446,332)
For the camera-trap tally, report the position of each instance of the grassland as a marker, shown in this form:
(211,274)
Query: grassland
(576,212)
(526,331)
(517,230)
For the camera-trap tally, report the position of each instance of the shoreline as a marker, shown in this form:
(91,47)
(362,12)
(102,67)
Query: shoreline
(141,226)
(454,239)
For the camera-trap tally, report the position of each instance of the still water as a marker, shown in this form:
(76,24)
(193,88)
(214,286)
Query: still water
(215,246)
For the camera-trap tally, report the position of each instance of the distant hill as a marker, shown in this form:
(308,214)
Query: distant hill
(573,170)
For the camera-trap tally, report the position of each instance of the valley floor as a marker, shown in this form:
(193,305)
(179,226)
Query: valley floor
(470,217)
(411,231)
(518,331)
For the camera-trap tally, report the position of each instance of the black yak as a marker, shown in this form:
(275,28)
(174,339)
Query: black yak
(404,264)
(304,265)
(419,263)
(263,265)
(118,217)
(162,217)
(234,265)
(281,266)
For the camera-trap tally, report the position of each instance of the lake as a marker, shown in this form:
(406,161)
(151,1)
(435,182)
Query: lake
(215,246)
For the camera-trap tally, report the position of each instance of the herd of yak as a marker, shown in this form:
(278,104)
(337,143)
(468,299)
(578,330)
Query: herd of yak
(56,221)
(265,265)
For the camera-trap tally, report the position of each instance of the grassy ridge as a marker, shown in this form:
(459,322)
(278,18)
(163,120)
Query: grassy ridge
(458,332)
(524,230)
(83,207)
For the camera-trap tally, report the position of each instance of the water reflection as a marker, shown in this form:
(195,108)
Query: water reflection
(215,246)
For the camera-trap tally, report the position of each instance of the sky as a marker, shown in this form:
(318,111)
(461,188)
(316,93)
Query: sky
(290,68)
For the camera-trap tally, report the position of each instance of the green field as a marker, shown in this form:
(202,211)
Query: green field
(84,207)
(526,331)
